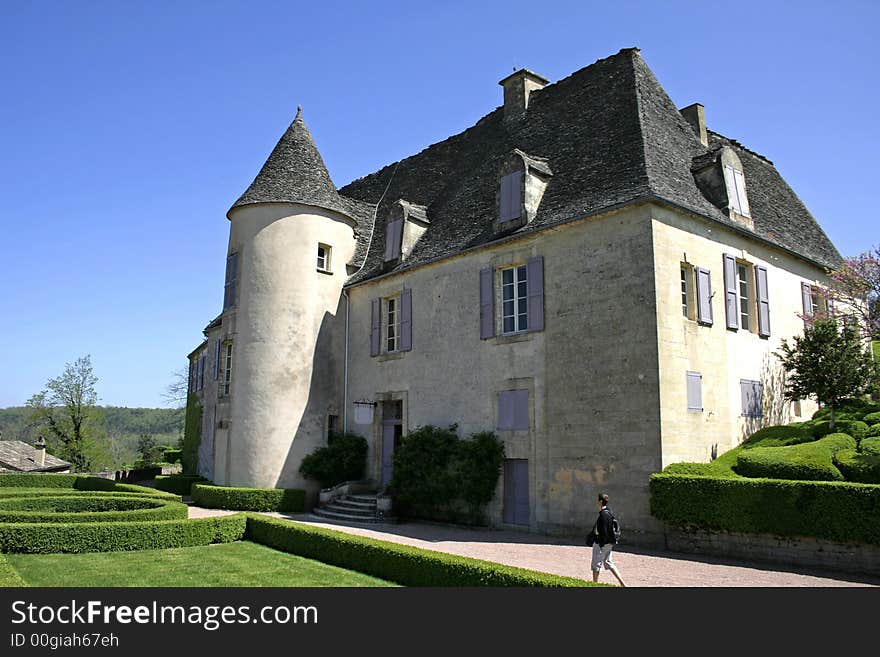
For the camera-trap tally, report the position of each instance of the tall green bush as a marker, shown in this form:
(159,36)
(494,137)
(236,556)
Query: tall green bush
(439,477)
(343,459)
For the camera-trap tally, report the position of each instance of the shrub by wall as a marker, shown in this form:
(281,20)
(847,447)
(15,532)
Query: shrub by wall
(117,536)
(249,499)
(830,510)
(192,435)
(398,563)
(705,469)
(343,459)
(89,508)
(806,461)
(179,484)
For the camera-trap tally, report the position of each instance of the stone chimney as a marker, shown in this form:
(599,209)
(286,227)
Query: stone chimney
(696,116)
(517,87)
(40,452)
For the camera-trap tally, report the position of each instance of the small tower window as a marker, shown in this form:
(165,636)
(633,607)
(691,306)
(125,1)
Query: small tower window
(323,257)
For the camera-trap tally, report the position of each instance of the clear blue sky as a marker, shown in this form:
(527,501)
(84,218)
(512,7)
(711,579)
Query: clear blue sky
(128,129)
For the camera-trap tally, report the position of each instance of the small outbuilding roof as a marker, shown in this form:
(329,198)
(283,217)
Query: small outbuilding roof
(18,456)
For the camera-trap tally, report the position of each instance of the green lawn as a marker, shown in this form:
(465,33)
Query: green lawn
(230,564)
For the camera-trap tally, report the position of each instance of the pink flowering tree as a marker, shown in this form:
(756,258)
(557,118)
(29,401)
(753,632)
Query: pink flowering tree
(856,285)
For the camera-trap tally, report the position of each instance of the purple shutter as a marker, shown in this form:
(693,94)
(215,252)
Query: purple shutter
(807,298)
(763,302)
(505,410)
(695,391)
(746,392)
(393,231)
(510,198)
(406,320)
(757,399)
(487,303)
(231,276)
(731,298)
(704,296)
(504,200)
(535,277)
(375,326)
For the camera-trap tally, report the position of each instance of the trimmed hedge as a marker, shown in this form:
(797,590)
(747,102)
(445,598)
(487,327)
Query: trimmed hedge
(91,508)
(8,576)
(179,484)
(248,499)
(873,431)
(862,467)
(403,564)
(707,469)
(779,436)
(806,461)
(847,512)
(871,418)
(118,536)
(75,482)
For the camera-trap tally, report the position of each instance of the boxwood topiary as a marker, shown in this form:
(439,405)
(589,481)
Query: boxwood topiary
(844,512)
(872,418)
(700,469)
(96,507)
(873,431)
(37,538)
(856,466)
(807,461)
(403,564)
(777,436)
(870,445)
(249,499)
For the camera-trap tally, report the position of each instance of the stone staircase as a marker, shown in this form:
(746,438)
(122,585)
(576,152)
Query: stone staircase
(353,508)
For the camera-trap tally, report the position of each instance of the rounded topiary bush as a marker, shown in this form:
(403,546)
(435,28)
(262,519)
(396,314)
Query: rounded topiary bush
(873,431)
(777,436)
(860,467)
(806,462)
(872,418)
(870,445)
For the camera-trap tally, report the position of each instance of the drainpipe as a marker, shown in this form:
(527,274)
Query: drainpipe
(345,368)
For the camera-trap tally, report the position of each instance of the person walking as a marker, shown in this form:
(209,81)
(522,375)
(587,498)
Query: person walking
(603,541)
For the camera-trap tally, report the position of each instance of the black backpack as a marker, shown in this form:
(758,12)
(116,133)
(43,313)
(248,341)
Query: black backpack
(615,527)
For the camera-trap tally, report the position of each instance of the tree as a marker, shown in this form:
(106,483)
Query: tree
(67,409)
(828,362)
(856,284)
(149,451)
(175,395)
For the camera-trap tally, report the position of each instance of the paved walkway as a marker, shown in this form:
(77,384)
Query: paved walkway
(566,557)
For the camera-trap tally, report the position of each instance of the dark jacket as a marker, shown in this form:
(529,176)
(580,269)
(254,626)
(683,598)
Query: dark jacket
(603,529)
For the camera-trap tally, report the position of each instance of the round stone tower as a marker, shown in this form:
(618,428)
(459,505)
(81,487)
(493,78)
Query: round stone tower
(291,236)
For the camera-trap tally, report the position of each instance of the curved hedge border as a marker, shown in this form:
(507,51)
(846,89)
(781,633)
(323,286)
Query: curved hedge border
(403,564)
(118,536)
(89,508)
(837,511)
(248,499)
(75,482)
(804,461)
(179,484)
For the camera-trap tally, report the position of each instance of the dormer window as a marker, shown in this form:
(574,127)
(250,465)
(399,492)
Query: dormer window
(522,183)
(405,226)
(735,182)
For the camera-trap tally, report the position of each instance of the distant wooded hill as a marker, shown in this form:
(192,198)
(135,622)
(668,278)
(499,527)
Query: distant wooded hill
(122,426)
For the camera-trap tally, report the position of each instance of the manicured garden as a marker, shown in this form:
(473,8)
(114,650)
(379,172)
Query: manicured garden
(801,479)
(69,530)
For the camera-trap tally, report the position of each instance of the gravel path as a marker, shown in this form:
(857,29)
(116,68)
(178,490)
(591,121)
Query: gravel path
(565,557)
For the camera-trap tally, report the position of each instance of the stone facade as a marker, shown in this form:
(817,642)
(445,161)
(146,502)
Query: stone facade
(600,375)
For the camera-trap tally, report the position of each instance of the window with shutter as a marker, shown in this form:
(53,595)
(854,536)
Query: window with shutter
(227,369)
(514,300)
(704,296)
(695,391)
(762,293)
(513,410)
(752,393)
(392,324)
(510,199)
(393,235)
(231,278)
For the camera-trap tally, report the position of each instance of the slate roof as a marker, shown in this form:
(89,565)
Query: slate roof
(611,136)
(18,456)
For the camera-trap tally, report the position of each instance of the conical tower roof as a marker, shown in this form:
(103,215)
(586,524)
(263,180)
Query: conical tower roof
(293,173)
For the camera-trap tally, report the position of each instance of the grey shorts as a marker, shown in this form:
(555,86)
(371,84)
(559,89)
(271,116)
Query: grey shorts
(602,555)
